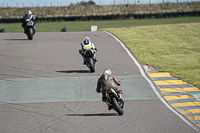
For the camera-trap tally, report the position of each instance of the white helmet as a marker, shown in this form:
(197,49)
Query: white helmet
(86,41)
(29,12)
(107,71)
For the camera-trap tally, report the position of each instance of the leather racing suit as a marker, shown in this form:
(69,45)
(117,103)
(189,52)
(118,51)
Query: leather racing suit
(106,82)
(83,47)
(26,18)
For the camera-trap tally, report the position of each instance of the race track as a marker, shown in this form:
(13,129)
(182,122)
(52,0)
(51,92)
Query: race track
(45,88)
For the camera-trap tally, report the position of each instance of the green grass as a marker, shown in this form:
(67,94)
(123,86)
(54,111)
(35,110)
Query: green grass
(173,48)
(86,25)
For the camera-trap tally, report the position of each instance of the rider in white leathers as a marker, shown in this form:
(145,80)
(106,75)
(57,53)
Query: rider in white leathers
(87,44)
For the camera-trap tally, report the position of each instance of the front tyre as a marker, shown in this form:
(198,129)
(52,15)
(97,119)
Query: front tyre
(30,33)
(116,106)
(91,62)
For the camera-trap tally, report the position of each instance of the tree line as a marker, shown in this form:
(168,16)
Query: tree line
(84,3)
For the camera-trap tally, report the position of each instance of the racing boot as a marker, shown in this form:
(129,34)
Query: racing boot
(109,105)
(24,31)
(95,59)
(34,28)
(105,100)
(84,62)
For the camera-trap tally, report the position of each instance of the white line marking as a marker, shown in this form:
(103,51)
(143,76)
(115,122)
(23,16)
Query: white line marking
(152,85)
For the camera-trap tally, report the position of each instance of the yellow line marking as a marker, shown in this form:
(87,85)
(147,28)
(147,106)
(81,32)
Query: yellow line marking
(198,125)
(189,111)
(195,118)
(169,82)
(177,97)
(169,90)
(156,75)
(185,104)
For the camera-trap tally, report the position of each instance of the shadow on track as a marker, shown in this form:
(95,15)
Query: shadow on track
(75,71)
(99,114)
(15,39)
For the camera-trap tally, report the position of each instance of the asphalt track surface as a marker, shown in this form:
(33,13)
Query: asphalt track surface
(45,88)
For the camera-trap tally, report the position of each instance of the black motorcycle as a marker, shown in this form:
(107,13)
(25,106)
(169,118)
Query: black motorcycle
(90,61)
(29,29)
(116,100)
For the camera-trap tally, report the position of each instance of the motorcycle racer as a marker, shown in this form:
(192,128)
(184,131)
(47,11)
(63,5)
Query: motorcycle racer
(105,82)
(30,17)
(87,44)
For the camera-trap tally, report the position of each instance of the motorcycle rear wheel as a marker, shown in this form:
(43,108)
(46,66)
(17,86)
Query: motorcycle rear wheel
(116,106)
(91,62)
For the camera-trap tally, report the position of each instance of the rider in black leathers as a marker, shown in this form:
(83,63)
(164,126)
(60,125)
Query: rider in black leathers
(28,16)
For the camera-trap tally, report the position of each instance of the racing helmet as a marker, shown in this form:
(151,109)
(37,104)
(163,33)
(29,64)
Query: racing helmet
(86,40)
(29,12)
(107,71)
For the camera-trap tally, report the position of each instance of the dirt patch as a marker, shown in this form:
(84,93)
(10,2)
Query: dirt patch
(148,68)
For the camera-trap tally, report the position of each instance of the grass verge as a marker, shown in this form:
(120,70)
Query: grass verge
(86,25)
(174,48)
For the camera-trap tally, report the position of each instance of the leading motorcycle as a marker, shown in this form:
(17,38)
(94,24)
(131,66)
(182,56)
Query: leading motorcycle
(29,29)
(116,100)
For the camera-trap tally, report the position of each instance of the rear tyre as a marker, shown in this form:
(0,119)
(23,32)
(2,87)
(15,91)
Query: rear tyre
(116,106)
(91,62)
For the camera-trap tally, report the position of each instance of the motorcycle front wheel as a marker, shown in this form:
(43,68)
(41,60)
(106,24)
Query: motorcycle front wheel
(30,34)
(116,106)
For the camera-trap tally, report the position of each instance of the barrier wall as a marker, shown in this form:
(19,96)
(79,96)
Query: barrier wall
(106,17)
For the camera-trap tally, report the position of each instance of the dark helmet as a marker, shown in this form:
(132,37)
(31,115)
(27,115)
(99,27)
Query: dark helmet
(86,40)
